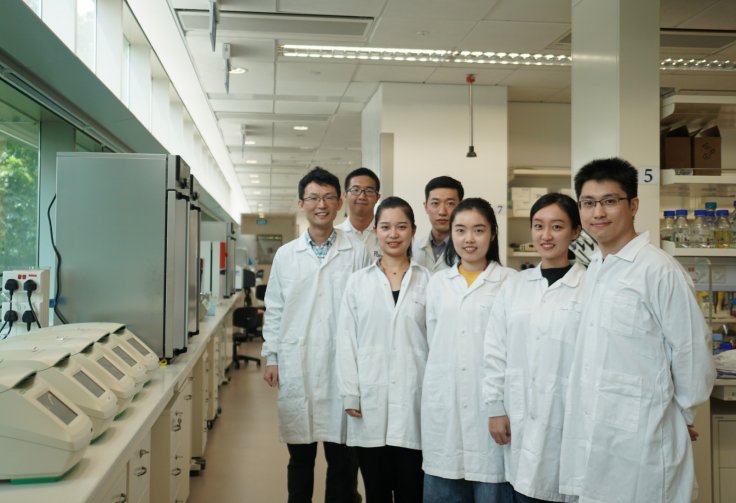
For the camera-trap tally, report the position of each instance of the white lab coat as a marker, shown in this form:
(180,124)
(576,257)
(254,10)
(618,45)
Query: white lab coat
(368,237)
(641,366)
(302,302)
(422,254)
(455,439)
(381,354)
(529,348)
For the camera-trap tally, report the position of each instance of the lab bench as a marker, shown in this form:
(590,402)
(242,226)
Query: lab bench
(145,454)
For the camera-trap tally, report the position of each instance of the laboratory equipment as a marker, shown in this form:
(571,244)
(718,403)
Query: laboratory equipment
(93,358)
(194,276)
(102,333)
(42,433)
(121,224)
(668,226)
(55,367)
(681,236)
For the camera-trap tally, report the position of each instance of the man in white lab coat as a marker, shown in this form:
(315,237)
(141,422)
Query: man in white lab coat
(441,195)
(642,363)
(302,301)
(362,191)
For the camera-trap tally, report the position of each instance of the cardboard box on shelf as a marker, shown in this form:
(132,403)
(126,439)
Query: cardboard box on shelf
(676,149)
(706,152)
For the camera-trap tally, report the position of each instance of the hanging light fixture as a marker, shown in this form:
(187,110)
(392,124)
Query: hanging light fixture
(470,79)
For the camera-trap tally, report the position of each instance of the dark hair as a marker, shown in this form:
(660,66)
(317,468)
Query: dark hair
(613,169)
(566,203)
(396,202)
(320,177)
(484,208)
(362,172)
(444,182)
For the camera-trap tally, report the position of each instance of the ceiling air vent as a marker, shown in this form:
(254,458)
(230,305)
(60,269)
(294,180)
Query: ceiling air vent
(285,26)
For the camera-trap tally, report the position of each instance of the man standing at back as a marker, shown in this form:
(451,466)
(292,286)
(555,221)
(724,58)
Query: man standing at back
(641,363)
(441,195)
(302,301)
(362,191)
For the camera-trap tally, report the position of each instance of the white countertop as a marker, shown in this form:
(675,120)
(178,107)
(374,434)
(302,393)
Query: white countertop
(94,472)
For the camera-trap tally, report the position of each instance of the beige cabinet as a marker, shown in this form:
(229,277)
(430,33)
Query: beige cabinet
(139,471)
(200,392)
(724,451)
(171,448)
(116,492)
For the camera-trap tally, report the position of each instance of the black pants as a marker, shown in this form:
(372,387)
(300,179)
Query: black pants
(340,482)
(521,498)
(391,474)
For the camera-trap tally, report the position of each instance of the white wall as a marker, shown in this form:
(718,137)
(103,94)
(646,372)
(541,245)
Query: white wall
(539,134)
(431,137)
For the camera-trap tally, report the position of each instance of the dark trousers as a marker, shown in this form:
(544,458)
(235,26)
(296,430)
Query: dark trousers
(522,498)
(391,474)
(340,482)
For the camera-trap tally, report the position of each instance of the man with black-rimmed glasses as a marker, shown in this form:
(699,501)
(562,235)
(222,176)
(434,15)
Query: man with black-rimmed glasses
(641,362)
(362,191)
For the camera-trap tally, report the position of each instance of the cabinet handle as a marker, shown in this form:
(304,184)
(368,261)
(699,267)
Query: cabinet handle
(121,498)
(142,453)
(176,472)
(141,471)
(176,427)
(188,397)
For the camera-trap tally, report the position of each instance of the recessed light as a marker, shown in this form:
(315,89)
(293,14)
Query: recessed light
(250,142)
(253,175)
(300,128)
(251,161)
(257,193)
(255,181)
(238,71)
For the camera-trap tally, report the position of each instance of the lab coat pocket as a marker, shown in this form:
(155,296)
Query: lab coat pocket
(514,394)
(567,321)
(372,366)
(619,400)
(549,401)
(622,308)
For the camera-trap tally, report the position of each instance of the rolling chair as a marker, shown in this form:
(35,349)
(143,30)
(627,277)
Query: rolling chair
(261,292)
(249,281)
(250,321)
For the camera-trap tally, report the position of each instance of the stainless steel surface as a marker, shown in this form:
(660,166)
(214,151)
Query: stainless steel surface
(123,244)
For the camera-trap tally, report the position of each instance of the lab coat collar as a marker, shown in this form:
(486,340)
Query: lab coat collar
(572,278)
(630,250)
(342,242)
(491,274)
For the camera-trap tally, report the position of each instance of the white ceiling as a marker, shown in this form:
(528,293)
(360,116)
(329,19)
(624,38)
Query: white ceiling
(277,93)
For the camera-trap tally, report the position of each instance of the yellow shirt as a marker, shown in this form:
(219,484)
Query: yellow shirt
(468,275)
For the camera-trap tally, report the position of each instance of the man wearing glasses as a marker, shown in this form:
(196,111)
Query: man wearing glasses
(302,300)
(641,362)
(361,194)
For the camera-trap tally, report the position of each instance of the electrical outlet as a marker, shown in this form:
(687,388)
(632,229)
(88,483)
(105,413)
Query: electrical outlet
(19,327)
(39,296)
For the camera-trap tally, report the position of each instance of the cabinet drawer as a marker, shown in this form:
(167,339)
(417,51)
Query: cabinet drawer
(727,444)
(139,469)
(727,485)
(116,492)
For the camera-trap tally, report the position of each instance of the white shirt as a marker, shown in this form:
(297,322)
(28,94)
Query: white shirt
(381,354)
(421,253)
(641,366)
(455,439)
(368,237)
(302,302)
(529,348)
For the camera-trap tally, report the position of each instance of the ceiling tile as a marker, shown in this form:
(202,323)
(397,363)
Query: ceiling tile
(296,107)
(674,13)
(392,73)
(420,32)
(513,36)
(315,78)
(235,105)
(368,8)
(546,11)
(457,10)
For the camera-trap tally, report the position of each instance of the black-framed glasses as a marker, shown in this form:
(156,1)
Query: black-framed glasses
(608,202)
(329,198)
(356,191)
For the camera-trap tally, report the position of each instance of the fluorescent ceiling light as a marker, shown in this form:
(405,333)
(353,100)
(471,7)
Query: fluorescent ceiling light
(251,161)
(423,55)
(301,128)
(238,71)
(250,142)
(253,175)
(475,57)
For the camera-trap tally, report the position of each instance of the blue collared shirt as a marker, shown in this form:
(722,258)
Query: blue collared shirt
(322,250)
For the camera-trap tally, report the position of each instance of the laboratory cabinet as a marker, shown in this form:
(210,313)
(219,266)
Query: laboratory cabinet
(145,456)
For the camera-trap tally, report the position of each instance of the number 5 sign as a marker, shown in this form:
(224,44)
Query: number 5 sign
(648,176)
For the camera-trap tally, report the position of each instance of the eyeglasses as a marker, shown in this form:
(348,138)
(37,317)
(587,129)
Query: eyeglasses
(609,202)
(356,191)
(328,199)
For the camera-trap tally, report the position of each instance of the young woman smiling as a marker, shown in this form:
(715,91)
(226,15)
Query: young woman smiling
(461,462)
(529,349)
(381,354)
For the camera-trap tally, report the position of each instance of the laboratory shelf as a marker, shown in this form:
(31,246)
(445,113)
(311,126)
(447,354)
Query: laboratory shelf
(519,254)
(670,248)
(697,186)
(538,171)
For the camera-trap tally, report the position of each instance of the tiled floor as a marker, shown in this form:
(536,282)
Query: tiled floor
(246,463)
